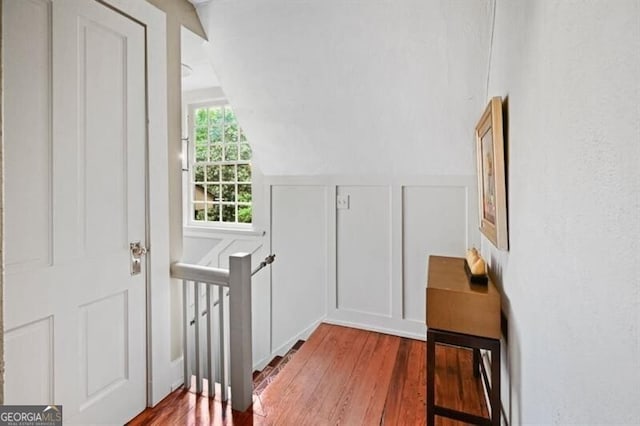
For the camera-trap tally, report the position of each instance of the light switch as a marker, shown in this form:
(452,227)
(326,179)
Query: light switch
(342,202)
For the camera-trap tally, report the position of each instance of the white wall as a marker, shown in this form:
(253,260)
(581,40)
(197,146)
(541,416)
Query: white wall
(571,72)
(358,87)
(298,277)
(371,99)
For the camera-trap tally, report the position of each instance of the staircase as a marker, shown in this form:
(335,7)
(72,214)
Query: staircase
(262,379)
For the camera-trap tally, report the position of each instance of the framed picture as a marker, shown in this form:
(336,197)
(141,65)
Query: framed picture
(492,196)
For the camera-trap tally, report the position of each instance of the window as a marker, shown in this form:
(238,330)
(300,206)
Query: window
(220,176)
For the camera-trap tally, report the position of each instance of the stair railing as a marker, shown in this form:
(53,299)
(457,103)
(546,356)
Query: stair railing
(237,279)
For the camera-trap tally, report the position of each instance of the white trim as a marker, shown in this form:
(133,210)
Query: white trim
(177,373)
(397,251)
(284,348)
(416,334)
(158,313)
(371,180)
(220,232)
(331,304)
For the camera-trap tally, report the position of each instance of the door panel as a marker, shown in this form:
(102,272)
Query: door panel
(88,187)
(27,118)
(27,365)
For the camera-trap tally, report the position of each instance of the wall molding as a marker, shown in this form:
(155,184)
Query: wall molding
(399,322)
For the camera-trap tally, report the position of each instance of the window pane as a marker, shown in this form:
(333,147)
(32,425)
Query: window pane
(201,136)
(242,137)
(213,193)
(228,213)
(231,152)
(244,173)
(198,174)
(198,214)
(201,153)
(216,152)
(244,214)
(245,152)
(205,193)
(213,173)
(215,116)
(231,132)
(228,193)
(244,193)
(215,133)
(201,117)
(229,115)
(198,196)
(213,212)
(229,173)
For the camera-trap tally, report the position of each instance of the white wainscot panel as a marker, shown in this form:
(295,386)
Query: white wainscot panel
(27,131)
(197,249)
(29,363)
(104,343)
(364,250)
(434,223)
(299,240)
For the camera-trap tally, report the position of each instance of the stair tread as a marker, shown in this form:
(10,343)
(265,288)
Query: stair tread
(269,373)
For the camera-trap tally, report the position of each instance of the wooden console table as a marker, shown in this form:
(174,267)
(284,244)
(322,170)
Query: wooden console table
(467,315)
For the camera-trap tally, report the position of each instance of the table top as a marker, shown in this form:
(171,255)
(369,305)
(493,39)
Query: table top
(454,304)
(447,273)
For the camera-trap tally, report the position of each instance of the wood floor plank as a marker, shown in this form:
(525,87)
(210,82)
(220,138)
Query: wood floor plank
(375,408)
(302,390)
(328,389)
(394,402)
(409,390)
(341,376)
(270,398)
(368,383)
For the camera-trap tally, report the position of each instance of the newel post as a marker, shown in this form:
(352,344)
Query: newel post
(241,362)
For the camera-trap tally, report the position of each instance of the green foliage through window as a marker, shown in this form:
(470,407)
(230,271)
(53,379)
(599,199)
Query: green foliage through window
(221,170)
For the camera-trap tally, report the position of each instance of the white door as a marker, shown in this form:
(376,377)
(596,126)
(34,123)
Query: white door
(75,137)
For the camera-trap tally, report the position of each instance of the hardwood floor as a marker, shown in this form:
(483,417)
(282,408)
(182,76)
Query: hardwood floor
(341,376)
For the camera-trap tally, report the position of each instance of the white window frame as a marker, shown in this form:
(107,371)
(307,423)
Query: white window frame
(189,221)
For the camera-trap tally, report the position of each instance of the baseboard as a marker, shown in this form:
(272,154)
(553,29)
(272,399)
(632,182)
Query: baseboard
(176,374)
(378,329)
(303,335)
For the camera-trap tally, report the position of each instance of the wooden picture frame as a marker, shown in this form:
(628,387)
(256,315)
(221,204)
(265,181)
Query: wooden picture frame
(492,196)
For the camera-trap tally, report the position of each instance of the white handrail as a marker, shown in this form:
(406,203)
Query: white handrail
(200,274)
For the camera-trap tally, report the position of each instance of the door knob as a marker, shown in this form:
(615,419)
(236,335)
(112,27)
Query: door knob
(137,250)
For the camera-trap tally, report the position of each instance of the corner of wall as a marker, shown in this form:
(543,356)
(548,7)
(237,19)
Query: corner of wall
(1,218)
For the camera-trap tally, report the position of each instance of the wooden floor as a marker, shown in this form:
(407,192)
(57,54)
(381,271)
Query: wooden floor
(341,376)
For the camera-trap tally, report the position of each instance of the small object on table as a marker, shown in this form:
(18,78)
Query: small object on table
(475,267)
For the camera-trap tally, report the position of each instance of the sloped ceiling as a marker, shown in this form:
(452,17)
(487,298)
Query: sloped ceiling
(354,87)
(182,11)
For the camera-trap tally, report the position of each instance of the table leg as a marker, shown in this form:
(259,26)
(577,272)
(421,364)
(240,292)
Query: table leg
(495,383)
(431,371)
(476,362)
